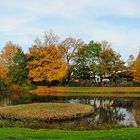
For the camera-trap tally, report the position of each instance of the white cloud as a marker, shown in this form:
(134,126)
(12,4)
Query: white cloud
(123,41)
(21,21)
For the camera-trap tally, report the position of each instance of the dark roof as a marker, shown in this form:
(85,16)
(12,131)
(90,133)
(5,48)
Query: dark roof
(125,74)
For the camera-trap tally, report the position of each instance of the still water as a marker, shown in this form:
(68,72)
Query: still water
(108,111)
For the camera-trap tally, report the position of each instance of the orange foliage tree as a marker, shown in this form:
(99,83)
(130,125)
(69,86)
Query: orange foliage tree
(6,60)
(4,79)
(46,64)
(135,69)
(8,52)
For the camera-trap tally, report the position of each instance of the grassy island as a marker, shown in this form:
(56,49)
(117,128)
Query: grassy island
(45,111)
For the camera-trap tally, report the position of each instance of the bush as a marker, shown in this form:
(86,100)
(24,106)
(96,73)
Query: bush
(126,84)
(26,86)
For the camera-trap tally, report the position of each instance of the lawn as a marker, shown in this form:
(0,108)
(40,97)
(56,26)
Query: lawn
(28,134)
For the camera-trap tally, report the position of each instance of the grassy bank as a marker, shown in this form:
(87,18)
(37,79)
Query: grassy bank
(24,134)
(87,91)
(45,111)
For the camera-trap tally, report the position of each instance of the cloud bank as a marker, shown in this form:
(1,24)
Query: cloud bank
(116,21)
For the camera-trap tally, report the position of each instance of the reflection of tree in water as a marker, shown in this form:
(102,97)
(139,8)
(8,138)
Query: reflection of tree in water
(109,110)
(15,98)
(110,115)
(136,111)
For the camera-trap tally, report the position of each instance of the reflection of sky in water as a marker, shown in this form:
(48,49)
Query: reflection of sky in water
(74,101)
(114,111)
(128,118)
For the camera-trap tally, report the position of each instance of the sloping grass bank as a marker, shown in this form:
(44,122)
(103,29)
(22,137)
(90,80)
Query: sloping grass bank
(45,111)
(87,91)
(24,134)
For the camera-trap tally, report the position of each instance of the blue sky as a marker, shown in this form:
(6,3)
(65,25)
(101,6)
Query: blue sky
(117,21)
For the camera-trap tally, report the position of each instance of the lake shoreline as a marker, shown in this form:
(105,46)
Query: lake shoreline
(87,91)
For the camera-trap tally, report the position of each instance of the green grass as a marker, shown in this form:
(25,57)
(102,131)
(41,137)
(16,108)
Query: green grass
(45,111)
(100,89)
(87,91)
(28,134)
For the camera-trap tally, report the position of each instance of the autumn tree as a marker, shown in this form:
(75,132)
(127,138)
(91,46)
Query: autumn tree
(110,62)
(71,45)
(4,78)
(18,72)
(8,53)
(135,69)
(46,64)
(6,60)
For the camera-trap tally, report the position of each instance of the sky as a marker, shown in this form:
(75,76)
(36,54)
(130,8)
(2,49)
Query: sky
(117,21)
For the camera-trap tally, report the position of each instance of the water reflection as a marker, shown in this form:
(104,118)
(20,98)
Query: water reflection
(111,111)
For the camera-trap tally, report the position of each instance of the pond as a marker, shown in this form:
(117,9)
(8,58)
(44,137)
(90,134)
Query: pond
(109,112)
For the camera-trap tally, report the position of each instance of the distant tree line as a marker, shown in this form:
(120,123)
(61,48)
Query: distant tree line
(53,61)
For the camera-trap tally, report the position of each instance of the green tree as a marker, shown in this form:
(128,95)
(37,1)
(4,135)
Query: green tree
(80,68)
(18,71)
(86,60)
(93,53)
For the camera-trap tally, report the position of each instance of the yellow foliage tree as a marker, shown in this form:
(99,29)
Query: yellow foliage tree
(46,63)
(135,69)
(8,52)
(4,74)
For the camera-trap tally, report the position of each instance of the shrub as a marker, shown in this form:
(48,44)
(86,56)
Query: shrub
(28,86)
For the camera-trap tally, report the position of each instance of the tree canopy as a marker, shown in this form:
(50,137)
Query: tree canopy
(135,69)
(45,63)
(8,53)
(51,59)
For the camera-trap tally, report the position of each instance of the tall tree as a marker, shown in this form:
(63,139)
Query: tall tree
(8,53)
(135,69)
(93,54)
(70,44)
(18,71)
(86,60)
(110,62)
(4,76)
(46,64)
(80,68)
